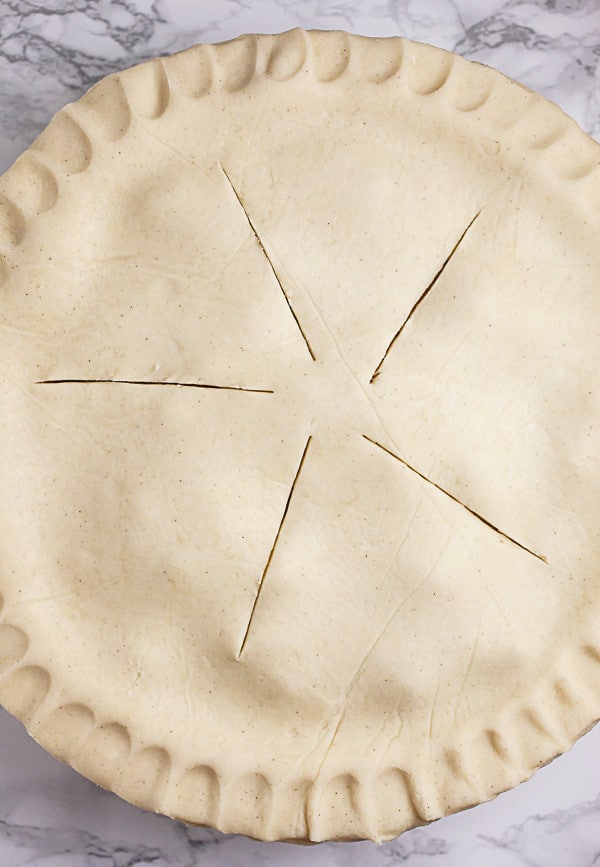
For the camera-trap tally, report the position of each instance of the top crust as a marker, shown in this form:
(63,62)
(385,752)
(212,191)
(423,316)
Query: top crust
(299,341)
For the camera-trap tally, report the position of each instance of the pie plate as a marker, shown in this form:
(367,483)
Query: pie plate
(299,342)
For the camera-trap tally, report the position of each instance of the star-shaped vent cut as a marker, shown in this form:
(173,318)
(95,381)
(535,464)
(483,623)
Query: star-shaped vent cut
(348,404)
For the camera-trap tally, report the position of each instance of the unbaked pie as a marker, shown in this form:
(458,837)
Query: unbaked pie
(300,478)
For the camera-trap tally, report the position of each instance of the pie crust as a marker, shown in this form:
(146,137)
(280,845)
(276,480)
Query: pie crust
(299,452)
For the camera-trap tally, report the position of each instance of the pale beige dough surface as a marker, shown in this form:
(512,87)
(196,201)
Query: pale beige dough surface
(343,578)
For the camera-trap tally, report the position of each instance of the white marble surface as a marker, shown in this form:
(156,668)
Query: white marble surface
(50,52)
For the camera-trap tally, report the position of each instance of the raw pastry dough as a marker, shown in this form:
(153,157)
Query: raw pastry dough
(299,350)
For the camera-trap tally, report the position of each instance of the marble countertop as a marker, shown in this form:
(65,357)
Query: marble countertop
(52,51)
